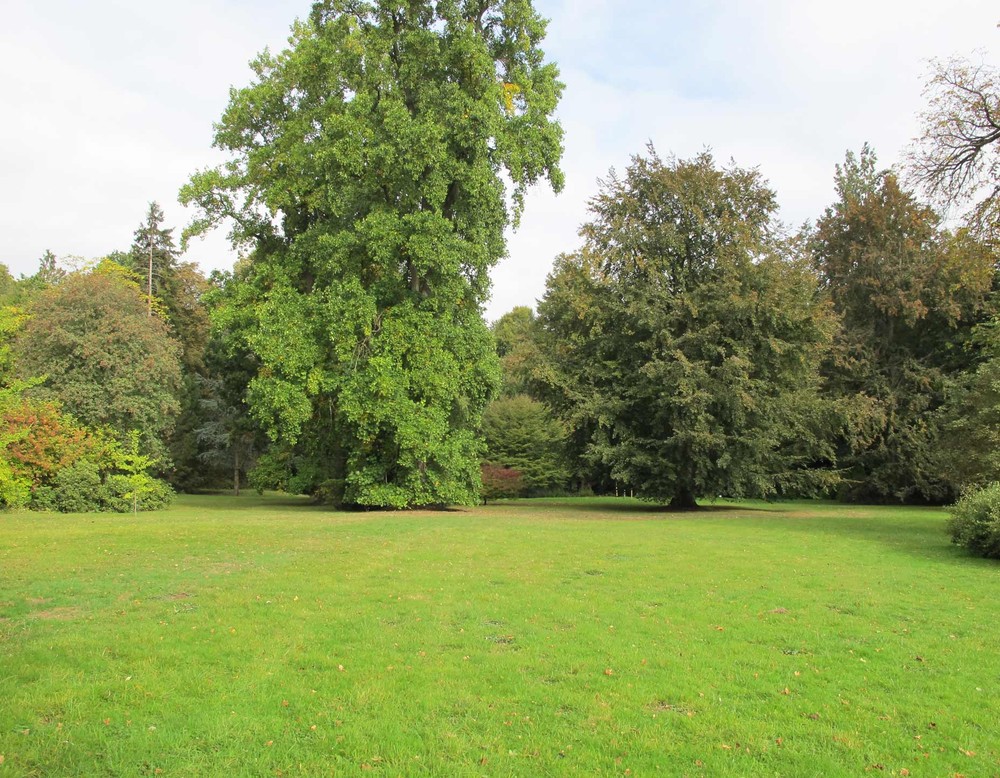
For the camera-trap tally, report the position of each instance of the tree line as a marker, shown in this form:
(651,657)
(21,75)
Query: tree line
(691,346)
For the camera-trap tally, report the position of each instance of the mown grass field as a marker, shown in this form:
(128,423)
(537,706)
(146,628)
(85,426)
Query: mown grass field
(263,636)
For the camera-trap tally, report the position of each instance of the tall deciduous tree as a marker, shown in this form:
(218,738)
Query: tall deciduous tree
(908,294)
(957,156)
(689,336)
(368,180)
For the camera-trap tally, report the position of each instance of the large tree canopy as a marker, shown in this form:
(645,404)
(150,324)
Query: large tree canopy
(367,180)
(689,336)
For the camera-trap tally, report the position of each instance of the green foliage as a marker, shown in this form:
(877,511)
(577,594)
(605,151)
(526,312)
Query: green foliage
(908,294)
(970,418)
(74,489)
(523,361)
(521,433)
(14,486)
(117,482)
(7,285)
(107,362)
(975,521)
(122,494)
(688,337)
(380,143)
(135,484)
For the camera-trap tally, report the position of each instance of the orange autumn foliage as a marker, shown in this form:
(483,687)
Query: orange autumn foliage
(53,441)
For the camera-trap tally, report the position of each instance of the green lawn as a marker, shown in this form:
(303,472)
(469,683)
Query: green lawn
(266,637)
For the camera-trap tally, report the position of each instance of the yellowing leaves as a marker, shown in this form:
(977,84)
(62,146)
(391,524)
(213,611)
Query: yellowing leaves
(510,92)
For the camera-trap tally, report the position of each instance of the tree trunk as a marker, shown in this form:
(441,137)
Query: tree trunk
(684,499)
(236,475)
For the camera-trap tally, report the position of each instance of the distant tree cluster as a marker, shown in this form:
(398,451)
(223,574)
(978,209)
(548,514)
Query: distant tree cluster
(111,383)
(691,346)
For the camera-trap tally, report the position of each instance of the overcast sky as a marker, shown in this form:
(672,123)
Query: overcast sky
(106,105)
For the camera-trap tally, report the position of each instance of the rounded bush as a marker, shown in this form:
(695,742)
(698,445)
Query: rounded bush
(75,489)
(116,495)
(975,521)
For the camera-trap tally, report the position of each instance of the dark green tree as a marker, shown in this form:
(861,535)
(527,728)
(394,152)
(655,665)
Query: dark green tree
(366,179)
(688,336)
(176,286)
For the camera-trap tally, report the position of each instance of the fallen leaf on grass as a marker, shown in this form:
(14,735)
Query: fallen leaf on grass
(967,753)
(904,772)
(608,671)
(786,691)
(1,758)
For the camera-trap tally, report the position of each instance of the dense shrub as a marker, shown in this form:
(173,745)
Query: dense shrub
(79,488)
(500,482)
(74,489)
(975,521)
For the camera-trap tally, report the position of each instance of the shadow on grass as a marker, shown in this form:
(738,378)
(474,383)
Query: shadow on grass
(924,537)
(247,501)
(626,505)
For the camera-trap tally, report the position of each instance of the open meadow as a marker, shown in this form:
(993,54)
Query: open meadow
(264,636)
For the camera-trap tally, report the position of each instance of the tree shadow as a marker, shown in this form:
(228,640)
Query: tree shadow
(629,505)
(915,537)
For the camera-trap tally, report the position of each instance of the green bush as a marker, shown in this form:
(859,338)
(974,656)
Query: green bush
(975,521)
(120,490)
(79,489)
(74,489)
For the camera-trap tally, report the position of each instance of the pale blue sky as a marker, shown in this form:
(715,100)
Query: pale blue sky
(109,104)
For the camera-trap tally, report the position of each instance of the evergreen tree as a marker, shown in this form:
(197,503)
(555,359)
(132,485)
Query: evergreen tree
(690,336)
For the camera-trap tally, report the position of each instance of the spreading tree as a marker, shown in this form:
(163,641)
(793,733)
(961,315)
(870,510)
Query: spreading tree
(375,165)
(956,159)
(689,336)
